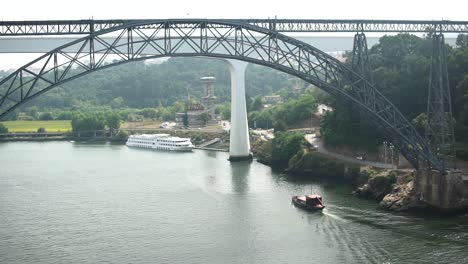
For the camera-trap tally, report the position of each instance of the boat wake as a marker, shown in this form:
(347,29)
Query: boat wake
(334,216)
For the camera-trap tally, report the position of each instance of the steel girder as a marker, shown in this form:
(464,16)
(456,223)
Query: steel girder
(84,27)
(360,60)
(439,127)
(211,38)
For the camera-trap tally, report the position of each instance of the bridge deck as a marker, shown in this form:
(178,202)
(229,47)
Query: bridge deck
(84,27)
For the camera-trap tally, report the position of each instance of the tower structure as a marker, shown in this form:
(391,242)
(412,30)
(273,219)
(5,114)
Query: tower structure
(439,126)
(209,99)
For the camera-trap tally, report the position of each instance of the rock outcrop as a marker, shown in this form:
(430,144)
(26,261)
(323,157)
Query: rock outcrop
(395,190)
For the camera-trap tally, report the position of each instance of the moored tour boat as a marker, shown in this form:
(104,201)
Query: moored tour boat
(160,141)
(311,202)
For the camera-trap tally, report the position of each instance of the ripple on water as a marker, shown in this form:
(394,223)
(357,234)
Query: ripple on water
(73,203)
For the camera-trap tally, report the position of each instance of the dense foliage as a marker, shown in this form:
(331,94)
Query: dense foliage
(3,128)
(285,145)
(91,121)
(283,115)
(157,83)
(400,68)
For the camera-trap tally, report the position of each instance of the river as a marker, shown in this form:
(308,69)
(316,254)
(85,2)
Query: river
(63,202)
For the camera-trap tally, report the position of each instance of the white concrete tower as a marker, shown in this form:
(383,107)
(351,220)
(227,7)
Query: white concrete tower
(239,148)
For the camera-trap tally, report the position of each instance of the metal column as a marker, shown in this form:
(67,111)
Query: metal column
(439,127)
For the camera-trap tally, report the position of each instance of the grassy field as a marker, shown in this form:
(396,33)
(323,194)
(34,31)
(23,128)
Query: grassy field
(32,126)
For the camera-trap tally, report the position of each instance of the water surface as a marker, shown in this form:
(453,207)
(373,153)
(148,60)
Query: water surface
(63,202)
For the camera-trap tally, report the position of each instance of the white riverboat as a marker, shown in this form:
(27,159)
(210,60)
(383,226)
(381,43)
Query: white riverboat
(160,141)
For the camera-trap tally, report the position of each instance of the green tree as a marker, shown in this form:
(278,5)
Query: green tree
(279,125)
(3,128)
(285,145)
(205,117)
(462,41)
(89,122)
(118,102)
(185,119)
(149,113)
(65,115)
(224,110)
(32,112)
(256,104)
(112,121)
(46,116)
(419,123)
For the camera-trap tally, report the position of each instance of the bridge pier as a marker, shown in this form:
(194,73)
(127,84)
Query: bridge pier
(446,192)
(239,146)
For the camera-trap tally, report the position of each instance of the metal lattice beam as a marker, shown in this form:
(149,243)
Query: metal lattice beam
(439,128)
(212,39)
(84,27)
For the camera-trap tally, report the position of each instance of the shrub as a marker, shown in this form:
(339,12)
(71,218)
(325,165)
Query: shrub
(26,118)
(122,135)
(46,116)
(65,116)
(3,128)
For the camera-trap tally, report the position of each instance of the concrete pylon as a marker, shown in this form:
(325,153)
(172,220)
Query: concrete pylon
(239,148)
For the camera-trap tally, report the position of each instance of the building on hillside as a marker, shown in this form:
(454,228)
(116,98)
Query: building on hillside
(194,116)
(195,111)
(270,100)
(322,109)
(209,98)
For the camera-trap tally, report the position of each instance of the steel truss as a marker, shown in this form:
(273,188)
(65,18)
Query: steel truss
(84,27)
(213,39)
(439,126)
(360,60)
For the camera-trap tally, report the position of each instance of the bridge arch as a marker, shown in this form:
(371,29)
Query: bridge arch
(213,38)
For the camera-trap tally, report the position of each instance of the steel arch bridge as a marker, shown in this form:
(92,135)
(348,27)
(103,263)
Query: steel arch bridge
(213,38)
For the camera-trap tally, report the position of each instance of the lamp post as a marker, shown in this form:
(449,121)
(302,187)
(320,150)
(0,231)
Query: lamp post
(385,151)
(391,148)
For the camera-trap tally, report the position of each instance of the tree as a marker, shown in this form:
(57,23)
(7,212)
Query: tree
(3,128)
(420,122)
(32,112)
(279,125)
(46,116)
(88,122)
(65,115)
(149,113)
(112,121)
(41,130)
(185,119)
(118,102)
(224,110)
(256,104)
(285,145)
(462,41)
(205,117)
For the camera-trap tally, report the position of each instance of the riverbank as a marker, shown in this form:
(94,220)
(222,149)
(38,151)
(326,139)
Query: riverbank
(197,137)
(392,189)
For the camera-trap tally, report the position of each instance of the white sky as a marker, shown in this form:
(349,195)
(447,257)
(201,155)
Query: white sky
(313,9)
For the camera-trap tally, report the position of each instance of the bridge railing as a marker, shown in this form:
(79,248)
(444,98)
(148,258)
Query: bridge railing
(84,27)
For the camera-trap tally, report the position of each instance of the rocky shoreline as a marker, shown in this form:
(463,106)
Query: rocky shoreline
(394,190)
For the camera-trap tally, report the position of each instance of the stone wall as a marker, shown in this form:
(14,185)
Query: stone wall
(445,192)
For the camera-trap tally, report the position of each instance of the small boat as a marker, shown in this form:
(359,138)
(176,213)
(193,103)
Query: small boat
(311,202)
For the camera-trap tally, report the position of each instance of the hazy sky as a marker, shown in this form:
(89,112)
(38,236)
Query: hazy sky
(337,9)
